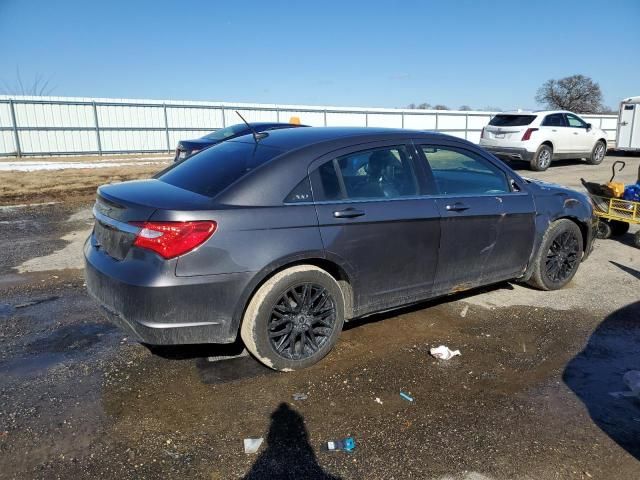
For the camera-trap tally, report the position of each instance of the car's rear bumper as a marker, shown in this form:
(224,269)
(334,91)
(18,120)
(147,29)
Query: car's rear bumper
(509,153)
(165,311)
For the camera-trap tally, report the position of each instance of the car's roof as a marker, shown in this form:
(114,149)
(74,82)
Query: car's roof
(293,138)
(534,112)
(268,124)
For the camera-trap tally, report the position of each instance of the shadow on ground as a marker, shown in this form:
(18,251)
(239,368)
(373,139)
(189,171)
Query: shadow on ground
(288,454)
(597,371)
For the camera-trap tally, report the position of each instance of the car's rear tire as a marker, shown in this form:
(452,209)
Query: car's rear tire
(598,153)
(618,228)
(294,319)
(636,239)
(542,158)
(603,230)
(558,257)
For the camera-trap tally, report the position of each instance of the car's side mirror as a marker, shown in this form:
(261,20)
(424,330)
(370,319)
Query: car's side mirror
(588,127)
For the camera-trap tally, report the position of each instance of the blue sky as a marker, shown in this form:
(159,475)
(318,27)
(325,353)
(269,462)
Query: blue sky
(370,53)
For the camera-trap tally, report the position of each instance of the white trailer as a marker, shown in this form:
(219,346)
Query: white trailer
(628,135)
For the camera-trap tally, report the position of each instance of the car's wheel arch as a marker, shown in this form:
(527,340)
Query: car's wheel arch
(338,269)
(549,144)
(582,224)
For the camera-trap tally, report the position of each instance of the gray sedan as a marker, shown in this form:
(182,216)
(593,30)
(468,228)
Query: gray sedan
(283,238)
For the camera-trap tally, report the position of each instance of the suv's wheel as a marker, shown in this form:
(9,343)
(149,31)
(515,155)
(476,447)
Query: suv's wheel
(294,319)
(598,153)
(542,158)
(558,257)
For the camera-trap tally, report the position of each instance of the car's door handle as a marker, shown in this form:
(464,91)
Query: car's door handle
(348,213)
(575,133)
(457,207)
(554,130)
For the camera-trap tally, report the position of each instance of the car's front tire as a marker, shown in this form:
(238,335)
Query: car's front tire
(294,319)
(598,153)
(558,257)
(542,158)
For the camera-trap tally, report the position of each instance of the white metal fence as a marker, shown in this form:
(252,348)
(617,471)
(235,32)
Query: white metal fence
(69,125)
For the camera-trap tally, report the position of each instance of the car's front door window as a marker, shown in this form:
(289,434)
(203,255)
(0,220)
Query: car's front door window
(458,172)
(575,122)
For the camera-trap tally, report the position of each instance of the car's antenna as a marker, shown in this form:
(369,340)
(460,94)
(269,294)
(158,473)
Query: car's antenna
(256,136)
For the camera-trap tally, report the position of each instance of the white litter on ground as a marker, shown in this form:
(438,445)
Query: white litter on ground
(251,445)
(34,166)
(443,353)
(464,311)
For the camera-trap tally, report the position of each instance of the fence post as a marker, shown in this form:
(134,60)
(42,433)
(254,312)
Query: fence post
(402,117)
(325,117)
(466,126)
(166,126)
(277,115)
(95,121)
(14,124)
(366,119)
(436,121)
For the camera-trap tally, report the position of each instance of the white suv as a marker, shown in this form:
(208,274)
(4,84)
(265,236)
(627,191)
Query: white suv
(541,136)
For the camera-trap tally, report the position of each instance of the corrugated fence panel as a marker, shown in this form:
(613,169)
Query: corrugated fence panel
(232,118)
(133,141)
(390,120)
(335,119)
(50,141)
(178,117)
(7,143)
(63,125)
(423,121)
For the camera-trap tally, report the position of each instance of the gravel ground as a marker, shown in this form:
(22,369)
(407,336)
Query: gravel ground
(528,398)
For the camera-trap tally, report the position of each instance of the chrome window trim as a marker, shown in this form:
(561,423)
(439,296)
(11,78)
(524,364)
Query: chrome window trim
(413,197)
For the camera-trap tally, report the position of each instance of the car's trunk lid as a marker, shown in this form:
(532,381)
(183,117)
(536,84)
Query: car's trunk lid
(504,133)
(118,205)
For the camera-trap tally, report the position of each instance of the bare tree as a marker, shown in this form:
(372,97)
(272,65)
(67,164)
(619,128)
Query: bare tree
(465,108)
(441,107)
(411,106)
(424,106)
(576,93)
(40,86)
(492,109)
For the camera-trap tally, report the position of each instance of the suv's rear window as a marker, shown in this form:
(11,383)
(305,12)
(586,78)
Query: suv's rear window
(212,170)
(511,120)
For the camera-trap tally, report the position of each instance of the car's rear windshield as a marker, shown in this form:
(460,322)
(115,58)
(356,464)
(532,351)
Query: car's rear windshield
(227,132)
(511,120)
(212,170)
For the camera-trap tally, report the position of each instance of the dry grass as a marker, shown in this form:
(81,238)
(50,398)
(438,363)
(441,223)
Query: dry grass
(65,185)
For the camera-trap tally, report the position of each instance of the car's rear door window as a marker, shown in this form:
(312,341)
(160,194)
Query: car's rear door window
(462,172)
(554,120)
(217,167)
(379,173)
(502,120)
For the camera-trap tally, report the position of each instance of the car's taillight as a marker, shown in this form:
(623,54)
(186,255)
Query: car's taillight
(527,134)
(482,133)
(172,239)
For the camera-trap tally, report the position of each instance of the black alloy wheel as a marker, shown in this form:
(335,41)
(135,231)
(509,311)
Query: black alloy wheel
(563,257)
(302,321)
